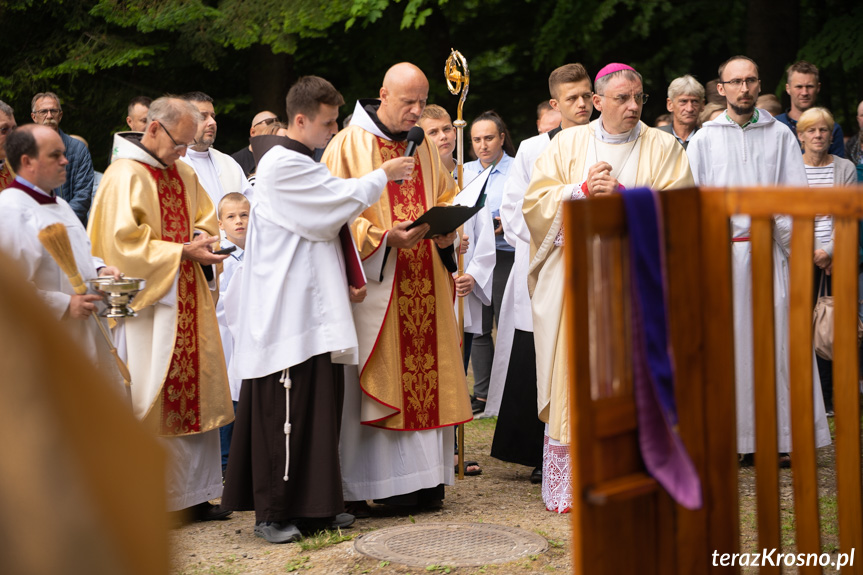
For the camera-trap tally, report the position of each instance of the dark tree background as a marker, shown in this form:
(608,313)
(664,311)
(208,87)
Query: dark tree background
(97,54)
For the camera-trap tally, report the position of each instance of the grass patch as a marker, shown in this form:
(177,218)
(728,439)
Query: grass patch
(323,539)
(484,424)
(298,563)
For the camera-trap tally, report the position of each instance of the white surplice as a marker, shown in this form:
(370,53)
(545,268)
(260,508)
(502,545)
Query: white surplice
(293,237)
(19,239)
(765,153)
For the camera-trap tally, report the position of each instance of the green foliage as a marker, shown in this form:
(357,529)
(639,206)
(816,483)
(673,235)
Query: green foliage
(97,54)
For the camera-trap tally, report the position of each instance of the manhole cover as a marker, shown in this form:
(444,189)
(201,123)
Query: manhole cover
(451,544)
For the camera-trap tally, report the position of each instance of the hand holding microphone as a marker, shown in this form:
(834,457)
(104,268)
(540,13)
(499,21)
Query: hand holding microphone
(414,139)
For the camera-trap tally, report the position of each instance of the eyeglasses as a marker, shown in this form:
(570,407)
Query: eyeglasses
(267,121)
(623,99)
(177,147)
(46,111)
(737,82)
(6,129)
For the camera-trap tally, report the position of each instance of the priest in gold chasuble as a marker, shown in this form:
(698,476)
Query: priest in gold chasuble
(396,439)
(154,219)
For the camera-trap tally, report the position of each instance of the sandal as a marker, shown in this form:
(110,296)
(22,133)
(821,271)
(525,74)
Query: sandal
(467,472)
(359,509)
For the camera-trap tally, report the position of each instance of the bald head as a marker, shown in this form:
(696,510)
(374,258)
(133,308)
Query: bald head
(403,97)
(261,121)
(171,127)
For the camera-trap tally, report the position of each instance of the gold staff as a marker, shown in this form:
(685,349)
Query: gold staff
(457,77)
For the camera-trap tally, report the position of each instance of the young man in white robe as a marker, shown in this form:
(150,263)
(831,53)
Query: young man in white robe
(519,435)
(37,155)
(295,330)
(746,146)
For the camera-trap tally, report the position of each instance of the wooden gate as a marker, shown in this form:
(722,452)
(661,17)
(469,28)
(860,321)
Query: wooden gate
(623,521)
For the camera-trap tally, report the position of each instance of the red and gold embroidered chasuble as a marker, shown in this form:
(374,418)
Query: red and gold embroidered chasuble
(180,394)
(139,220)
(415,365)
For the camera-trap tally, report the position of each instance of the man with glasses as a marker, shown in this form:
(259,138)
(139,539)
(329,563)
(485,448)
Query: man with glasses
(746,146)
(153,219)
(78,187)
(245,157)
(803,85)
(7,124)
(610,154)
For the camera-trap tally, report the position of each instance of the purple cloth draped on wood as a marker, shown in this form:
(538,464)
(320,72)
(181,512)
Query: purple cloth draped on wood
(662,449)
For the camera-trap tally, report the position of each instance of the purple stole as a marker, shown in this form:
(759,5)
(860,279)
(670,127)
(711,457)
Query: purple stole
(662,449)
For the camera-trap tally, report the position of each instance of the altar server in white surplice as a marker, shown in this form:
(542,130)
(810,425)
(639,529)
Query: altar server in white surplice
(36,154)
(295,330)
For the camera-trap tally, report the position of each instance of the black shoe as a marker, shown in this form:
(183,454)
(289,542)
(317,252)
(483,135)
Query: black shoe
(206,511)
(278,532)
(313,524)
(477,405)
(536,475)
(746,459)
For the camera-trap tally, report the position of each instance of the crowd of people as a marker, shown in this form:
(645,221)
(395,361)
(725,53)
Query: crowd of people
(297,349)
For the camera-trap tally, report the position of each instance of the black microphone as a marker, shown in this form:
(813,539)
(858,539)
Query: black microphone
(415,138)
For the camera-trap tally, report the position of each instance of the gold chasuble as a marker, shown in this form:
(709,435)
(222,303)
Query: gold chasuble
(411,371)
(140,219)
(662,164)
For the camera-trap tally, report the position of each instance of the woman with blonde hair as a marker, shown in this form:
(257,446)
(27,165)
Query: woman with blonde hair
(823,170)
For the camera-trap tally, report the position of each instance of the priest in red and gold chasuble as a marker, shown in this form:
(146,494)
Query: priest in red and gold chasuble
(147,236)
(410,359)
(152,216)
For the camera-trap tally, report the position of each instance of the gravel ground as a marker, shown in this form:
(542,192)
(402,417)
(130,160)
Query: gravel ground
(502,495)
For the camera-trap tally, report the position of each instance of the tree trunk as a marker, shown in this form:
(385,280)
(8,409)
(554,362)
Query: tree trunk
(270,76)
(772,38)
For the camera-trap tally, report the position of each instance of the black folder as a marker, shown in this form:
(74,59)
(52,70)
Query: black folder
(445,219)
